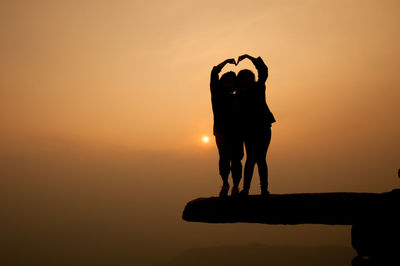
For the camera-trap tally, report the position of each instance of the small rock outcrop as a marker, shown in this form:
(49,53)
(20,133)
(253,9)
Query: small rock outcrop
(374,217)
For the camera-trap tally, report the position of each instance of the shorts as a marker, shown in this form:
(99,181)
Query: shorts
(230,146)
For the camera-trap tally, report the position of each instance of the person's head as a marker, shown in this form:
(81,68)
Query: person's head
(245,78)
(228,81)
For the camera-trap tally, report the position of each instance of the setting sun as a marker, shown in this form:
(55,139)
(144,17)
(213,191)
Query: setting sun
(205,139)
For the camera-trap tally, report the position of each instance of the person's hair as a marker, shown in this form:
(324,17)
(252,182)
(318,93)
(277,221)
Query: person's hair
(246,74)
(226,76)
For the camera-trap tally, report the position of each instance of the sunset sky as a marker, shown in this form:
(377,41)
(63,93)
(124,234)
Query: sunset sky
(107,102)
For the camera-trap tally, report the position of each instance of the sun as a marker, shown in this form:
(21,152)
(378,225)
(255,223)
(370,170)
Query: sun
(205,139)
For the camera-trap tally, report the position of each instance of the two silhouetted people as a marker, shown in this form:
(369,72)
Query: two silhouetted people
(241,115)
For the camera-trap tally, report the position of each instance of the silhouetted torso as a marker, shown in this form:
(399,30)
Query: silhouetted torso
(225,107)
(254,109)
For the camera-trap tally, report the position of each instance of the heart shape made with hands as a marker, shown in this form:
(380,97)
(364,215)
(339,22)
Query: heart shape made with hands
(240,58)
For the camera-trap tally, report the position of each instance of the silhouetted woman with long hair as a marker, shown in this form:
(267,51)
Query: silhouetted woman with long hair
(256,122)
(225,105)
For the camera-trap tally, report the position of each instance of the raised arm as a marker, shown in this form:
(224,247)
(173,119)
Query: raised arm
(227,61)
(262,69)
(215,71)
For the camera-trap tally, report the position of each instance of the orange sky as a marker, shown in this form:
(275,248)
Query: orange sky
(137,73)
(116,78)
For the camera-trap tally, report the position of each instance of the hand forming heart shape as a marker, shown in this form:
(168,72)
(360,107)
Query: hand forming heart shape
(240,58)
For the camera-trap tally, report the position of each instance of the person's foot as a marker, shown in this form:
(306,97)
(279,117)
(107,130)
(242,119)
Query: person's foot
(244,192)
(235,191)
(224,191)
(265,193)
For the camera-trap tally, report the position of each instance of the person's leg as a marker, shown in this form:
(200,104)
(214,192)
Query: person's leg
(236,161)
(248,174)
(224,169)
(262,162)
(224,163)
(263,173)
(249,166)
(236,172)
(251,147)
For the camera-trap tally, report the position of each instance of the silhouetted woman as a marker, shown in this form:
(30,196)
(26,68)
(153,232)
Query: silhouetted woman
(256,121)
(225,105)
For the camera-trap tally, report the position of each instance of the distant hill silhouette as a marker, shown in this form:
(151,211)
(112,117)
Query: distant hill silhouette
(260,254)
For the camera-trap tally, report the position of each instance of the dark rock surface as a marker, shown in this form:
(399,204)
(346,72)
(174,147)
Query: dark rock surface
(308,208)
(374,216)
(378,234)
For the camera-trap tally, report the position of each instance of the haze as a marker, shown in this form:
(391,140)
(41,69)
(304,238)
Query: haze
(104,104)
